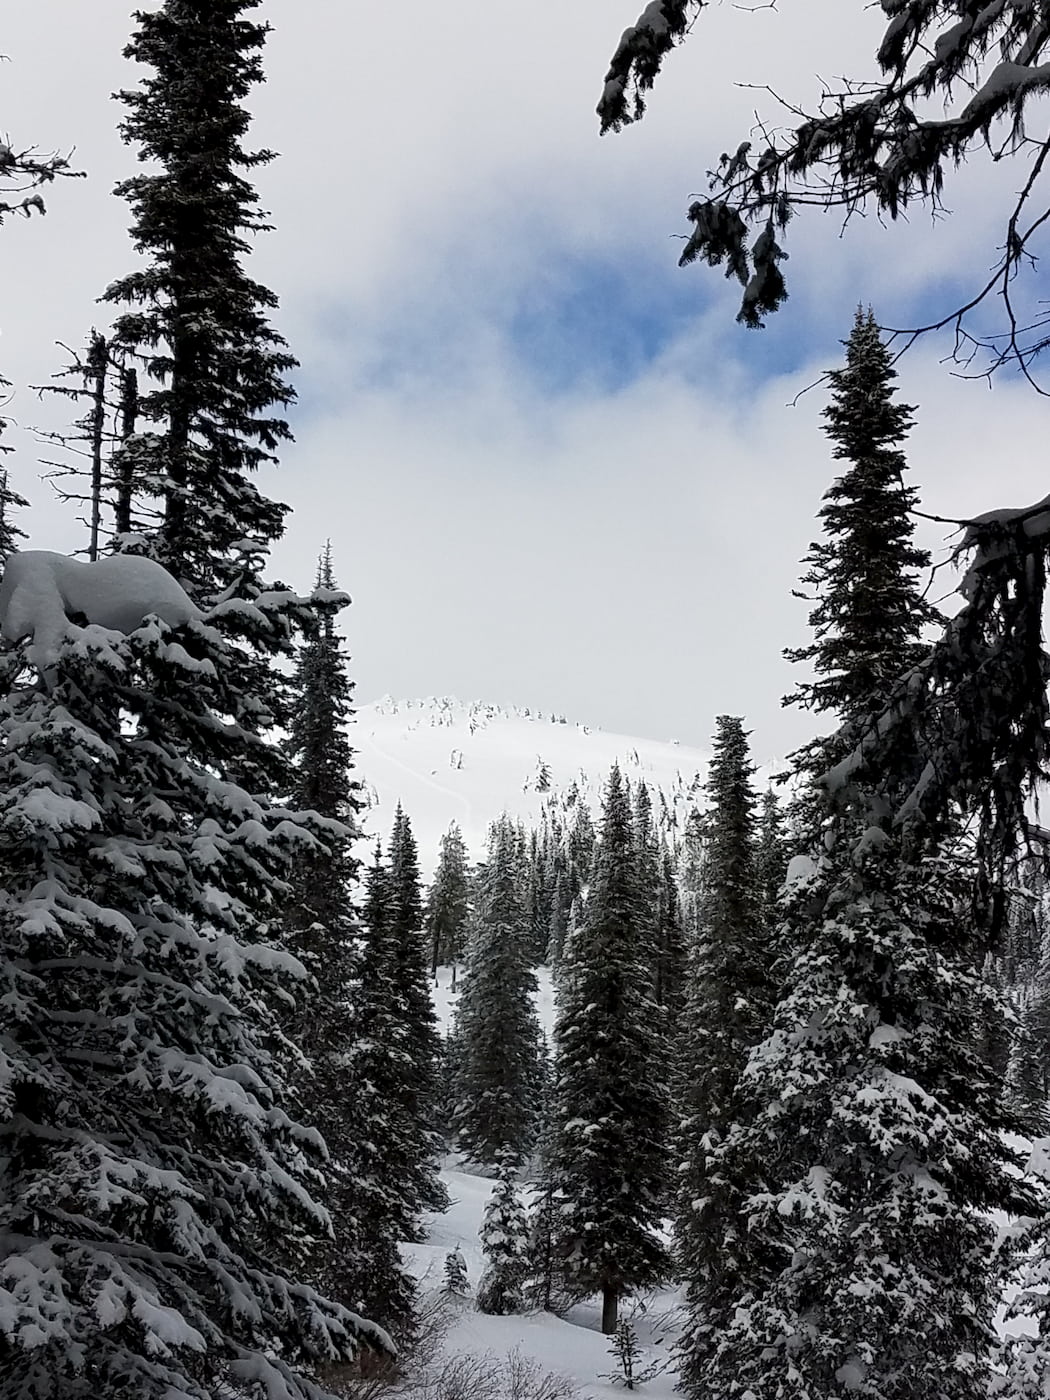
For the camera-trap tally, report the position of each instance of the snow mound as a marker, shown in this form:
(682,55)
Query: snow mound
(41,591)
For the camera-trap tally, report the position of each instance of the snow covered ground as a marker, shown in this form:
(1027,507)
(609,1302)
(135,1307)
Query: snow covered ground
(572,1346)
(447,761)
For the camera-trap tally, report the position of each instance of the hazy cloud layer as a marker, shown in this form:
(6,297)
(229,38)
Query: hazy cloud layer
(553,469)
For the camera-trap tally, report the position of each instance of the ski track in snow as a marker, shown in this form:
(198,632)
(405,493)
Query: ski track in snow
(465,803)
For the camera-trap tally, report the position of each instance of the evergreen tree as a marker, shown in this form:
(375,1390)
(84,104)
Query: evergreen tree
(417,1090)
(541,1286)
(771,858)
(869,612)
(1027,1086)
(537,900)
(456,1281)
(671,956)
(152,1174)
(648,873)
(387,1171)
(497,1033)
(581,844)
(561,904)
(608,1156)
(448,904)
(196,321)
(143,863)
(692,858)
(320,927)
(10,502)
(726,1012)
(866,1154)
(504,1239)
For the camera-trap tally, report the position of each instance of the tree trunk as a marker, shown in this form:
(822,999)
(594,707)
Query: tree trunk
(610,1308)
(95,373)
(129,408)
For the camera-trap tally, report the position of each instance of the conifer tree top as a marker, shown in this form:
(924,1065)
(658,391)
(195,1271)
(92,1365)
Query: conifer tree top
(193,316)
(869,609)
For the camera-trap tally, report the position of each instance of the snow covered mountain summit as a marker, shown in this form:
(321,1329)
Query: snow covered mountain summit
(446,761)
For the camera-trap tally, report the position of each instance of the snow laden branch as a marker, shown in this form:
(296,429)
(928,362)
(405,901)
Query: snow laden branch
(154,1180)
(967,730)
(638,58)
(22,173)
(953,77)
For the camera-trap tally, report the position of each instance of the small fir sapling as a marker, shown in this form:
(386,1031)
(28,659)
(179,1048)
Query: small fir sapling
(456,1282)
(505,1244)
(625,1351)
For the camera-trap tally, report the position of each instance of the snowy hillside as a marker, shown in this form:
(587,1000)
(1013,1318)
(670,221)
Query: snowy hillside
(447,761)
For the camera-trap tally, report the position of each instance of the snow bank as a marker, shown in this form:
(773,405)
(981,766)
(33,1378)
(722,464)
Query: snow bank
(40,590)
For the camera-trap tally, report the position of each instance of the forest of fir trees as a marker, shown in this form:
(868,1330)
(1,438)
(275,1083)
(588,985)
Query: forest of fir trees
(797,1039)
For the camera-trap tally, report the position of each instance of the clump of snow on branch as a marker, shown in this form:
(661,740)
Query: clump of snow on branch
(41,591)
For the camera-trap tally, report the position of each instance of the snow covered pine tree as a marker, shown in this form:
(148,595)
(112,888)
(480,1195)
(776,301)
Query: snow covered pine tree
(321,929)
(497,1035)
(504,1239)
(152,1172)
(150,1164)
(608,1158)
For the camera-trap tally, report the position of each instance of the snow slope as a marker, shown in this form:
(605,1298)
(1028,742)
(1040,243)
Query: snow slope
(447,761)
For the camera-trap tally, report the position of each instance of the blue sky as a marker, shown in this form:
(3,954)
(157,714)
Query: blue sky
(553,469)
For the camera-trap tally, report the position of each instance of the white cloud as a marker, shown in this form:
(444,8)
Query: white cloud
(622,552)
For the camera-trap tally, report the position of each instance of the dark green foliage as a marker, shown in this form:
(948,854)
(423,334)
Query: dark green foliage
(498,1077)
(771,858)
(671,954)
(542,1282)
(581,845)
(448,903)
(855,1184)
(390,1150)
(456,1282)
(319,926)
(727,1008)
(10,502)
(649,881)
(561,905)
(417,1091)
(196,320)
(1028,1066)
(608,1157)
(692,858)
(153,1174)
(869,611)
